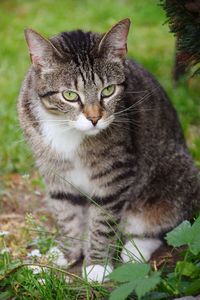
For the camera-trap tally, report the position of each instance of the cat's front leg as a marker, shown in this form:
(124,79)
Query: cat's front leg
(102,235)
(69,216)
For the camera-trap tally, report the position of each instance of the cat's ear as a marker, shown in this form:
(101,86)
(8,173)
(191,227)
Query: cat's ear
(114,42)
(41,50)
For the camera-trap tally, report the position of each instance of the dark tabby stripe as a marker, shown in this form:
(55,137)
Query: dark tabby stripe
(81,200)
(117,206)
(109,223)
(111,198)
(32,119)
(27,107)
(48,94)
(74,199)
(69,218)
(116,165)
(120,177)
(110,233)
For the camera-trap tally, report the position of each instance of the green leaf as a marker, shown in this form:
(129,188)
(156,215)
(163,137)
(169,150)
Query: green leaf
(169,284)
(138,277)
(6,295)
(156,296)
(195,242)
(185,268)
(130,272)
(180,236)
(122,292)
(194,288)
(145,285)
(185,234)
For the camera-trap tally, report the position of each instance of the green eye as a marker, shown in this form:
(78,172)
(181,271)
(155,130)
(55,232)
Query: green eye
(70,96)
(108,91)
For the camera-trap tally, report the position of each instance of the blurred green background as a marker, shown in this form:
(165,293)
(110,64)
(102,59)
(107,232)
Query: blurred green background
(150,43)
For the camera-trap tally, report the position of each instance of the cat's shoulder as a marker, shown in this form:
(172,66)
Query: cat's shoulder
(139,71)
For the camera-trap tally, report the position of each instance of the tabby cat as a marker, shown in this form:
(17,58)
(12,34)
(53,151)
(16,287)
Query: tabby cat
(108,143)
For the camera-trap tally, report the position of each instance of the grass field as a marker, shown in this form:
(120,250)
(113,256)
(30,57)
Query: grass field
(150,43)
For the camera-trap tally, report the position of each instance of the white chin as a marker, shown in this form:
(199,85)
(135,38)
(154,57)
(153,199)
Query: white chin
(92,131)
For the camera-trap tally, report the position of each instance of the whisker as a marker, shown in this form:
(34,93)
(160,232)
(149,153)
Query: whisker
(66,129)
(146,97)
(135,92)
(125,124)
(53,123)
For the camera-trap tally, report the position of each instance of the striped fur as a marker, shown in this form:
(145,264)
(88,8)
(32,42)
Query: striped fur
(130,168)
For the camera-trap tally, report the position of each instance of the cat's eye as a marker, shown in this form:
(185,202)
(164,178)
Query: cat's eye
(108,91)
(70,96)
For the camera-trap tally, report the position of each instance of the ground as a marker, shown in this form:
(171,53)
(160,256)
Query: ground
(19,198)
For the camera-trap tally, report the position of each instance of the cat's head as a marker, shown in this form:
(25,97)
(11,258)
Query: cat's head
(79,76)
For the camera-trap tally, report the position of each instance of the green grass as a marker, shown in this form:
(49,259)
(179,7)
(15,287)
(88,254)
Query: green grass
(150,43)
(18,279)
(19,282)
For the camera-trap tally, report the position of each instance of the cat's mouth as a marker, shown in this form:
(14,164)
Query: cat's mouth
(92,131)
(91,128)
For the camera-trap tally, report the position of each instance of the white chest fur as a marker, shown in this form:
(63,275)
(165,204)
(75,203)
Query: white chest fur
(57,134)
(79,176)
(65,142)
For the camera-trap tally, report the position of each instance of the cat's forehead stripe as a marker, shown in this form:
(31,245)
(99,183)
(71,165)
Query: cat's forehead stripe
(85,77)
(98,80)
(81,71)
(86,70)
(80,83)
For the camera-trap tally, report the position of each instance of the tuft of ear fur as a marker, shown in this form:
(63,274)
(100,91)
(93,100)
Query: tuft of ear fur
(114,42)
(41,50)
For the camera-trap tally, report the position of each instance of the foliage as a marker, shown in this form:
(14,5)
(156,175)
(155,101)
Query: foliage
(183,18)
(49,284)
(45,240)
(185,234)
(132,280)
(137,277)
(183,280)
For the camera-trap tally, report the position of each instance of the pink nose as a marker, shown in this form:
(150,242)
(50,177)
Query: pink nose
(94,120)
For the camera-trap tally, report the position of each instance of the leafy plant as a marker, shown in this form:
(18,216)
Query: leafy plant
(148,284)
(138,277)
(186,234)
(136,280)
(45,239)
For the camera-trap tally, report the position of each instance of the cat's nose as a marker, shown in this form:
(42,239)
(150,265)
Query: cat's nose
(94,119)
(93,112)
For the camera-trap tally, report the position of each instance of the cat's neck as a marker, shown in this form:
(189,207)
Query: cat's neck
(62,139)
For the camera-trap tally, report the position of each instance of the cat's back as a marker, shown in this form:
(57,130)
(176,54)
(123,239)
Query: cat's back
(150,107)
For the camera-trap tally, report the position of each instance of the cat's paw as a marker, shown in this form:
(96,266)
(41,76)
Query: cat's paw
(96,273)
(139,249)
(56,256)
